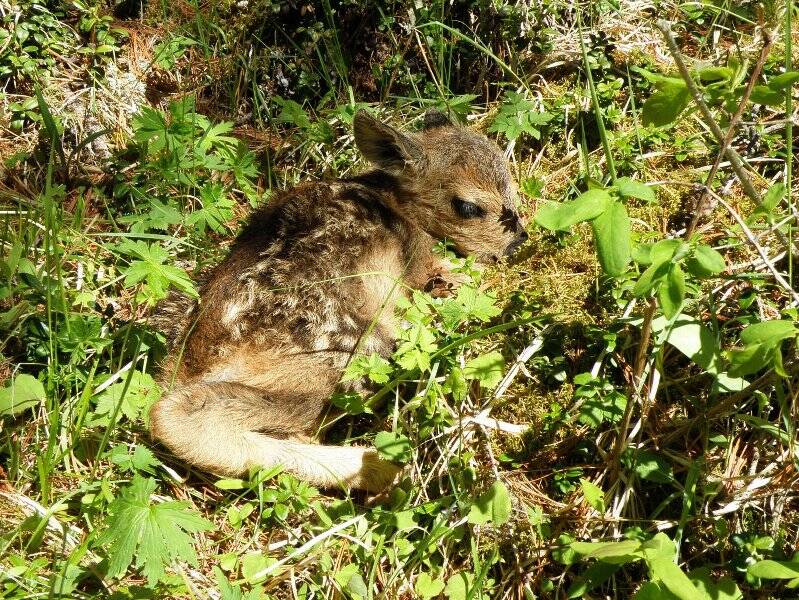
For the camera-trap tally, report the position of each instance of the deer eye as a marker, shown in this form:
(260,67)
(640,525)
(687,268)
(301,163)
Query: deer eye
(466,209)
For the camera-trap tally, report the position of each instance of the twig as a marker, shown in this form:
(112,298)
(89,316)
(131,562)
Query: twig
(735,160)
(725,143)
(753,241)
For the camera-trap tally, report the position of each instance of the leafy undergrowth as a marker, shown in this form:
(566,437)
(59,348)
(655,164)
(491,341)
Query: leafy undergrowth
(609,413)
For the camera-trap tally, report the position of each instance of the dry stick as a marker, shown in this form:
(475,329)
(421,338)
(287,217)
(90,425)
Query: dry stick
(725,143)
(753,241)
(735,160)
(637,379)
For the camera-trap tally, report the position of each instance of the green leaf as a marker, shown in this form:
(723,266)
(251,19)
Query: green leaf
(594,576)
(770,201)
(705,262)
(648,465)
(593,494)
(674,579)
(393,446)
(486,368)
(672,291)
(697,342)
(642,254)
(427,587)
(660,546)
(374,366)
(477,304)
(459,586)
(456,381)
(492,505)
(560,217)
(711,74)
(666,250)
(774,569)
(666,104)
(23,392)
(612,238)
(763,94)
(652,591)
(635,189)
(142,458)
(155,534)
(784,81)
(617,553)
(769,332)
(654,275)
(150,267)
(750,359)
(723,589)
(133,399)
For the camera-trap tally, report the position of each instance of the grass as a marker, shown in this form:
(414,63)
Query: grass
(550,406)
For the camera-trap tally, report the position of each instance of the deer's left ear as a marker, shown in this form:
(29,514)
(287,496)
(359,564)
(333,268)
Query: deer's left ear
(384,146)
(435,118)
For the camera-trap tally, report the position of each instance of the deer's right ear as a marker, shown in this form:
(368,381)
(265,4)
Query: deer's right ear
(383,146)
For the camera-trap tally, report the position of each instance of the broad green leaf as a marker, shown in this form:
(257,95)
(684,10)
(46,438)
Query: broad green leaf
(697,342)
(427,587)
(705,262)
(784,81)
(253,563)
(660,546)
(774,569)
(666,250)
(770,201)
(654,275)
(457,384)
(24,391)
(763,94)
(666,104)
(393,446)
(617,553)
(492,505)
(648,465)
(603,408)
(635,189)
(723,589)
(672,291)
(642,254)
(652,591)
(486,368)
(711,74)
(156,534)
(459,585)
(594,576)
(612,238)
(585,207)
(750,359)
(769,332)
(674,579)
(593,494)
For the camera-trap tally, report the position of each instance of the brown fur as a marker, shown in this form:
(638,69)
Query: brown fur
(311,280)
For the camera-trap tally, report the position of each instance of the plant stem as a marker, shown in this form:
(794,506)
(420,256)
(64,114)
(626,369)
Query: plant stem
(735,160)
(725,143)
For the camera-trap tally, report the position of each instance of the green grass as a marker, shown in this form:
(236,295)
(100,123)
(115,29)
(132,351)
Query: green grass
(558,402)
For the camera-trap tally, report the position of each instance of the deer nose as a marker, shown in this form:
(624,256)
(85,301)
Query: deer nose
(520,238)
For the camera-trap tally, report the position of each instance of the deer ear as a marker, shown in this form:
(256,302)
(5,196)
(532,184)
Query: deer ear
(435,118)
(383,146)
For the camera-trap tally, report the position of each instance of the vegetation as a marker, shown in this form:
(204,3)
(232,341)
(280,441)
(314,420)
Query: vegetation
(611,413)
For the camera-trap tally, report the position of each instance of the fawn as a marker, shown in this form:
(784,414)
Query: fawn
(313,278)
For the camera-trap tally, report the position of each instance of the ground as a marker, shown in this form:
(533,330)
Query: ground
(610,413)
